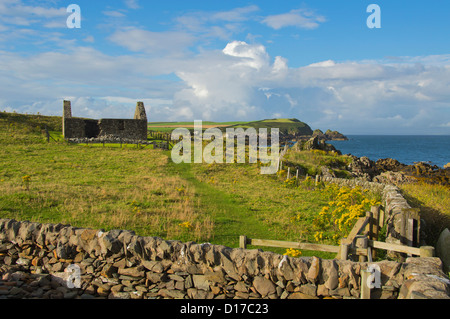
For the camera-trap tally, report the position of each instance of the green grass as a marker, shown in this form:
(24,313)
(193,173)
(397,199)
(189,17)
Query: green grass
(140,189)
(167,127)
(433,200)
(312,162)
(286,126)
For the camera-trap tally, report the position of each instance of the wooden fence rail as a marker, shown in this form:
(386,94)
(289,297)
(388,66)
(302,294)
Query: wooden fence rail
(244,241)
(360,242)
(425,251)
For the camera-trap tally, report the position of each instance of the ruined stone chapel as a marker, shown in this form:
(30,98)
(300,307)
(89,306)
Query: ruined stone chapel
(78,128)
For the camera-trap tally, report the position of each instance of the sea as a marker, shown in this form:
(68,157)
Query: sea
(407,149)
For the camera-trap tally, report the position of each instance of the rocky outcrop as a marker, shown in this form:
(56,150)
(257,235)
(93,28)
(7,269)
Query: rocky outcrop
(389,164)
(362,167)
(394,178)
(330,135)
(391,171)
(315,143)
(42,260)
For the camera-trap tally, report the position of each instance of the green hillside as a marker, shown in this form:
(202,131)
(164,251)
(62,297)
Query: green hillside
(286,126)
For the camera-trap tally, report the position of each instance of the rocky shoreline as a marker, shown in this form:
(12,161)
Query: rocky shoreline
(391,171)
(387,170)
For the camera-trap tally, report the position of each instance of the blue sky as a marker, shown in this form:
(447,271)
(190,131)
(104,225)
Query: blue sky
(233,60)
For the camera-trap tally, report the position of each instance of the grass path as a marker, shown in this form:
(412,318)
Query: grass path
(228,213)
(232,215)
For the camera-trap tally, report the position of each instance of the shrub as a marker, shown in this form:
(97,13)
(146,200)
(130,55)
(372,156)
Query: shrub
(336,219)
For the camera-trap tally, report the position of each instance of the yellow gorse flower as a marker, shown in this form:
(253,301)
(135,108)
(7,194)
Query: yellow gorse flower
(186,225)
(336,219)
(292,252)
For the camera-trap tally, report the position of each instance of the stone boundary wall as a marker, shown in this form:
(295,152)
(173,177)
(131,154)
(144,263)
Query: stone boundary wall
(34,259)
(396,208)
(374,186)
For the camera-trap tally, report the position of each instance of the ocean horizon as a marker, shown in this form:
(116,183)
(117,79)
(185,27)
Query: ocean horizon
(407,149)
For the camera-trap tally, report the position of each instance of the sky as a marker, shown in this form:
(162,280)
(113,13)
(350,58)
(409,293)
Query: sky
(317,61)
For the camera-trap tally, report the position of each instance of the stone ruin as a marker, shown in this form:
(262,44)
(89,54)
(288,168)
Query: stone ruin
(80,129)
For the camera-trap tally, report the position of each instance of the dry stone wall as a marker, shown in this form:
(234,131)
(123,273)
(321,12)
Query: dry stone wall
(34,259)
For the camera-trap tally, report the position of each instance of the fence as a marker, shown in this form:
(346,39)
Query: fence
(360,243)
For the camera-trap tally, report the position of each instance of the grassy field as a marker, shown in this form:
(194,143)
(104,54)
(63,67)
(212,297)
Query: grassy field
(286,126)
(312,161)
(141,189)
(434,204)
(170,126)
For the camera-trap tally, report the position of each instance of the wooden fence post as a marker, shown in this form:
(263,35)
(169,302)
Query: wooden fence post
(47,134)
(243,242)
(343,252)
(369,227)
(365,289)
(375,210)
(427,251)
(362,242)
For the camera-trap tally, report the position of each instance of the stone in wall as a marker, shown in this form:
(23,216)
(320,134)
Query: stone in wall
(443,249)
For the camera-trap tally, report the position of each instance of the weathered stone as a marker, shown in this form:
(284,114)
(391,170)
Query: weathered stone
(290,287)
(314,270)
(285,268)
(176,277)
(156,277)
(242,295)
(133,272)
(172,294)
(263,286)
(343,292)
(308,289)
(179,285)
(188,282)
(119,295)
(443,249)
(215,276)
(300,295)
(240,286)
(332,281)
(194,293)
(108,271)
(201,282)
(322,290)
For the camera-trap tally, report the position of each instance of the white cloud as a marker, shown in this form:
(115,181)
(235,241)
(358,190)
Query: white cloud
(89,39)
(132,4)
(15,12)
(139,40)
(254,56)
(300,18)
(216,25)
(114,13)
(241,81)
